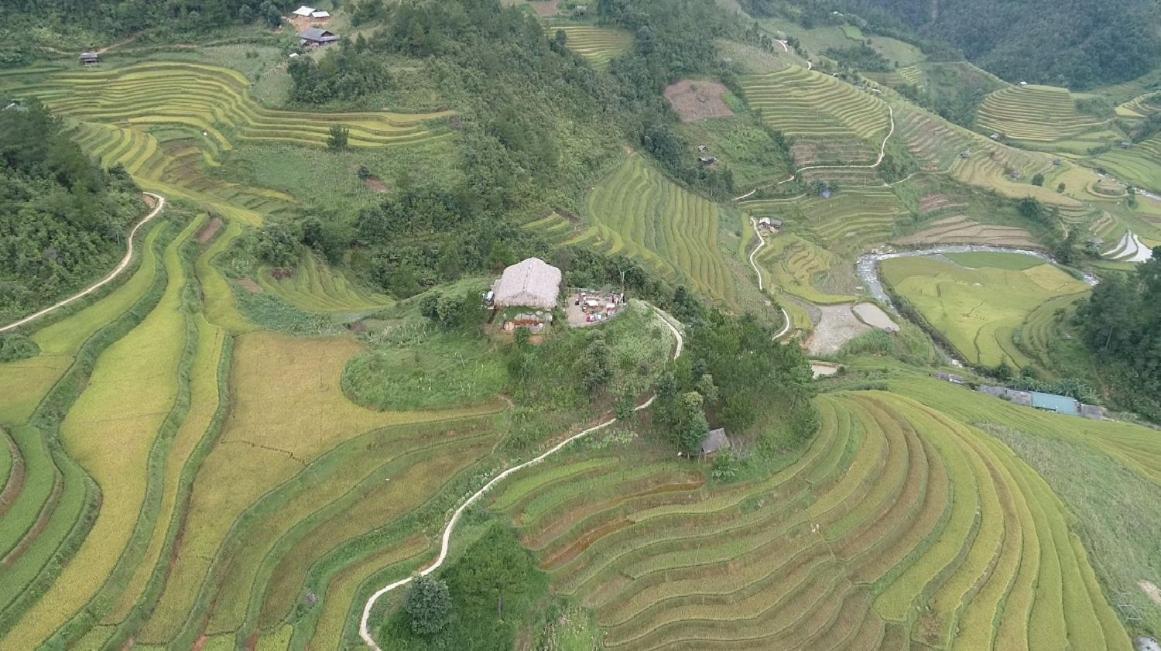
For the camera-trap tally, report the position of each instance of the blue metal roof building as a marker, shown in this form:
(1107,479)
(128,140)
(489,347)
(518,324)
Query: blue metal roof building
(1053,402)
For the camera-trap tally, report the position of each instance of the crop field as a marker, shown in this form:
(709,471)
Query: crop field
(1034,114)
(900,525)
(801,268)
(638,212)
(598,45)
(316,287)
(982,309)
(829,121)
(846,223)
(958,229)
(1139,164)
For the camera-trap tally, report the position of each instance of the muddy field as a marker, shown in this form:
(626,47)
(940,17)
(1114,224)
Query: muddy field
(698,100)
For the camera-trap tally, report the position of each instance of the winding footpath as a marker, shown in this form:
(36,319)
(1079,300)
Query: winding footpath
(445,543)
(870,166)
(124,264)
(758,272)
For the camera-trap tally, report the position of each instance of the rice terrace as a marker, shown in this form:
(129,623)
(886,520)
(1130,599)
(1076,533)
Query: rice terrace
(538,325)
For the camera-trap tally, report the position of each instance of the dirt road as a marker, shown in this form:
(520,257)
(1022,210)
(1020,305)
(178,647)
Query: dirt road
(104,281)
(445,543)
(758,272)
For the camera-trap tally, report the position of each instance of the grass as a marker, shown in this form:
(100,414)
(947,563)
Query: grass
(317,287)
(435,374)
(981,310)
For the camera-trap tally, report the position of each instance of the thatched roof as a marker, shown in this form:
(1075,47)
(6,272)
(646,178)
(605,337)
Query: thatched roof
(529,283)
(714,441)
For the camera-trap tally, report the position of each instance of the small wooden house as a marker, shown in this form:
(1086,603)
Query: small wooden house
(90,58)
(317,37)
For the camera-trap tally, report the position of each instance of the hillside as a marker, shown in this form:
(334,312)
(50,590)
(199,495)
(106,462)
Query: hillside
(639,324)
(65,218)
(1075,44)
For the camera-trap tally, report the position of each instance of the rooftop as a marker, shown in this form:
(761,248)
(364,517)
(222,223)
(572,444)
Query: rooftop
(528,283)
(714,441)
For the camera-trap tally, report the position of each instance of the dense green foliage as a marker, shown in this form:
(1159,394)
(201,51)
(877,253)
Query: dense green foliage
(859,57)
(1121,323)
(64,218)
(428,605)
(495,592)
(732,376)
(1078,44)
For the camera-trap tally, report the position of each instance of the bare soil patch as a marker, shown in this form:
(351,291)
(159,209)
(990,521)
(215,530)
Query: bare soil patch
(545,8)
(1152,590)
(836,326)
(250,285)
(209,231)
(375,184)
(697,100)
(874,316)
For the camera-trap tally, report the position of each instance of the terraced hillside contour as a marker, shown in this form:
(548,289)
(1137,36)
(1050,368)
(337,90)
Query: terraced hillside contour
(900,525)
(829,121)
(639,212)
(986,305)
(1034,114)
(598,45)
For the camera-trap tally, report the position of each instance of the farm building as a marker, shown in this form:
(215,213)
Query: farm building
(1046,402)
(89,58)
(317,37)
(529,283)
(1053,402)
(714,442)
(303,11)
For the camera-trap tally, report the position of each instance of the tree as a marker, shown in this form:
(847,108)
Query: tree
(1038,179)
(338,137)
(596,367)
(691,427)
(428,606)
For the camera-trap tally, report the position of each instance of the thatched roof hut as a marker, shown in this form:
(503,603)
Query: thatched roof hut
(529,283)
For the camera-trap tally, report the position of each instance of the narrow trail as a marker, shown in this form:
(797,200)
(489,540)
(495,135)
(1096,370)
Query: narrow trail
(758,272)
(870,166)
(104,281)
(445,543)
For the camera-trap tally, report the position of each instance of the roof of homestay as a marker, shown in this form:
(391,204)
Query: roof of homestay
(304,11)
(714,441)
(317,34)
(528,283)
(1053,402)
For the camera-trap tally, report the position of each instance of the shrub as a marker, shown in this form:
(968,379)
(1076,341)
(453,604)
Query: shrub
(428,606)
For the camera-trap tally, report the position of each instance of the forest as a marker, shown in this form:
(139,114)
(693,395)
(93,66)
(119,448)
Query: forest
(1122,326)
(65,218)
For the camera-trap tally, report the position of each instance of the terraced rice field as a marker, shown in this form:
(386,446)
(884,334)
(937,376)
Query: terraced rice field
(316,287)
(1035,114)
(801,268)
(983,305)
(598,45)
(829,121)
(958,229)
(899,526)
(942,147)
(638,212)
(1139,164)
(847,223)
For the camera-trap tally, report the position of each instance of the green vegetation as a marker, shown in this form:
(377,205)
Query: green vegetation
(982,309)
(1120,324)
(66,218)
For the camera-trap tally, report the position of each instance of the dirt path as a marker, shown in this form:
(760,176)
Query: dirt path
(758,272)
(445,543)
(871,166)
(104,281)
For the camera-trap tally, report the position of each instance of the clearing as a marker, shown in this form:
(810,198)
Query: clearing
(698,100)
